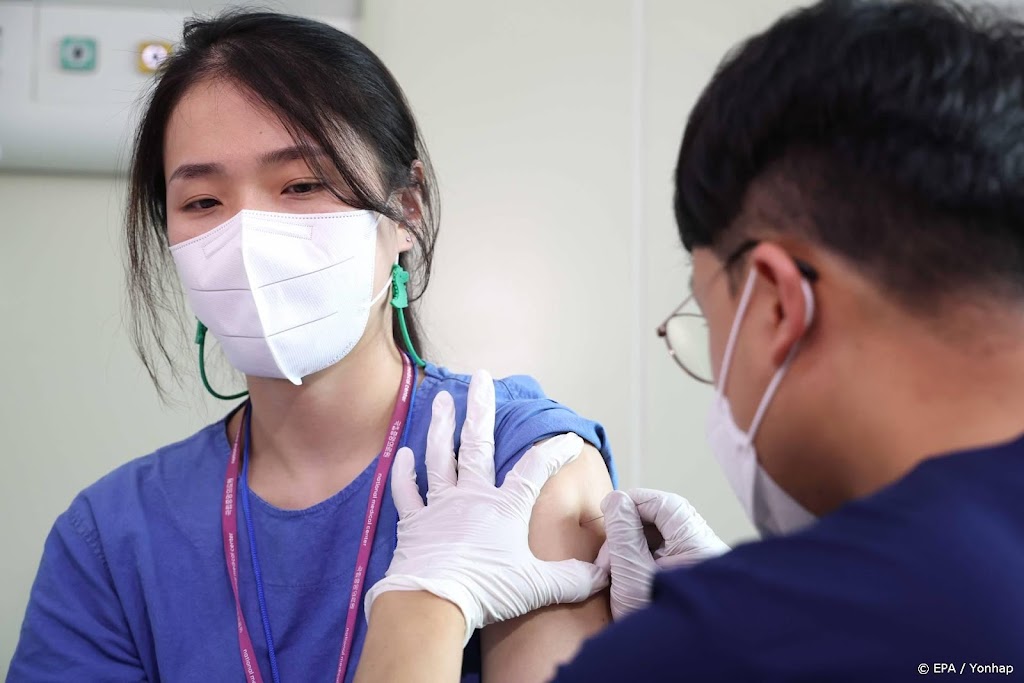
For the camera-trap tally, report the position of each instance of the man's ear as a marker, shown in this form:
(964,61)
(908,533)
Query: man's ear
(793,310)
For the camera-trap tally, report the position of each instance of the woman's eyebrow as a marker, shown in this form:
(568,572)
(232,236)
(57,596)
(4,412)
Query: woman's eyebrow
(286,154)
(192,171)
(278,156)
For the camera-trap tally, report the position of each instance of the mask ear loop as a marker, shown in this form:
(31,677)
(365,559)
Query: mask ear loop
(400,302)
(730,345)
(201,341)
(773,386)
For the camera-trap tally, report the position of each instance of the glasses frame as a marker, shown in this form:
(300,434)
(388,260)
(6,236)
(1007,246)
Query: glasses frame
(808,271)
(663,333)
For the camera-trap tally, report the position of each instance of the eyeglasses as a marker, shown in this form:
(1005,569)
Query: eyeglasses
(685,330)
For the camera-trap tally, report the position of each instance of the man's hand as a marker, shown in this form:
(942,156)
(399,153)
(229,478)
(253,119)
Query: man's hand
(687,540)
(469,543)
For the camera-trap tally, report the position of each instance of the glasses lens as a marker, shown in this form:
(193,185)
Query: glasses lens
(687,336)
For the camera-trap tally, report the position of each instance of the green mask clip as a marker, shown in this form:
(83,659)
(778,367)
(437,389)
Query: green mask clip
(201,341)
(400,302)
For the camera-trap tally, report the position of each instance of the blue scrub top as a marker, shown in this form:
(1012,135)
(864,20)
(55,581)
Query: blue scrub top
(926,575)
(132,585)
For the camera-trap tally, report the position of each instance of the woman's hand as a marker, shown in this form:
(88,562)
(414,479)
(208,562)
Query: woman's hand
(469,543)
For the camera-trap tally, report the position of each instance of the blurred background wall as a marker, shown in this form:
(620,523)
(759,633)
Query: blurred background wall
(553,126)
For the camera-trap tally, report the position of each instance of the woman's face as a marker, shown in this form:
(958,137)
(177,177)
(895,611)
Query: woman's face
(224,153)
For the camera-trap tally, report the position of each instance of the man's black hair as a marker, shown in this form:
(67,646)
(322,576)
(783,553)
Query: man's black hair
(891,133)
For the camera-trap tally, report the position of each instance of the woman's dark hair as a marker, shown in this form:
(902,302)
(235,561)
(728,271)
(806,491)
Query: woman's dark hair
(334,96)
(891,133)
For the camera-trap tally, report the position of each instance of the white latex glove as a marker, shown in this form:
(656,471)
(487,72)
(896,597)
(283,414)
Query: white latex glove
(469,544)
(687,540)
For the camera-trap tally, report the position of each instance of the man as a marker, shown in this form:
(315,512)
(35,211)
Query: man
(851,188)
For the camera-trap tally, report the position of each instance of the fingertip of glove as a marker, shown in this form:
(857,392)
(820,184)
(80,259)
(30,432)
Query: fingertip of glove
(443,400)
(565,448)
(581,580)
(603,559)
(482,376)
(651,502)
(602,576)
(569,440)
(615,500)
(569,443)
(405,459)
(642,495)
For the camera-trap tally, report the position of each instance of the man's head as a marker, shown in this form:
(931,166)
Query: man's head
(879,145)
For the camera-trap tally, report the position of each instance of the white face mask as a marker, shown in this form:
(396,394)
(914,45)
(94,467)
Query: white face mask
(286,295)
(771,509)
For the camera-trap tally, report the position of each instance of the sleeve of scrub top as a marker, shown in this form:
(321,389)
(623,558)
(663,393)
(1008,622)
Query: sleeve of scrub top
(530,416)
(74,628)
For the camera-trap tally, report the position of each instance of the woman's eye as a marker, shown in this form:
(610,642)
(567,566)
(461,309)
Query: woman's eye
(303,188)
(200,204)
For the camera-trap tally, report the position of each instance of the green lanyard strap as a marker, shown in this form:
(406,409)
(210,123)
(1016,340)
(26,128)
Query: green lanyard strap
(400,302)
(201,340)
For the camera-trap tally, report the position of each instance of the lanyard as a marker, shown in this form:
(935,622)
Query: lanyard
(229,528)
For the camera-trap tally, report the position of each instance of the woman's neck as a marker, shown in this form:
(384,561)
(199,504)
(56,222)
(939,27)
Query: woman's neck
(312,440)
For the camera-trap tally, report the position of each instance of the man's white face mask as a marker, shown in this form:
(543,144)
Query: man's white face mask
(772,510)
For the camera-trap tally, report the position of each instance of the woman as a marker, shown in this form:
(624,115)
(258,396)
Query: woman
(279,167)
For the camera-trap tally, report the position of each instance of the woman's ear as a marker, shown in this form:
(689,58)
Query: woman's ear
(411,199)
(405,239)
(788,295)
(412,195)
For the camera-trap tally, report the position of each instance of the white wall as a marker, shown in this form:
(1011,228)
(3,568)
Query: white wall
(74,403)
(526,112)
(554,128)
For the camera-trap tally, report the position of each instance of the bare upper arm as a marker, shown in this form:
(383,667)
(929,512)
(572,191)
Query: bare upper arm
(531,647)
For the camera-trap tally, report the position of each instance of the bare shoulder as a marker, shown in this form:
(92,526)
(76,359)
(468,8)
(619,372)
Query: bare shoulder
(530,648)
(559,528)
